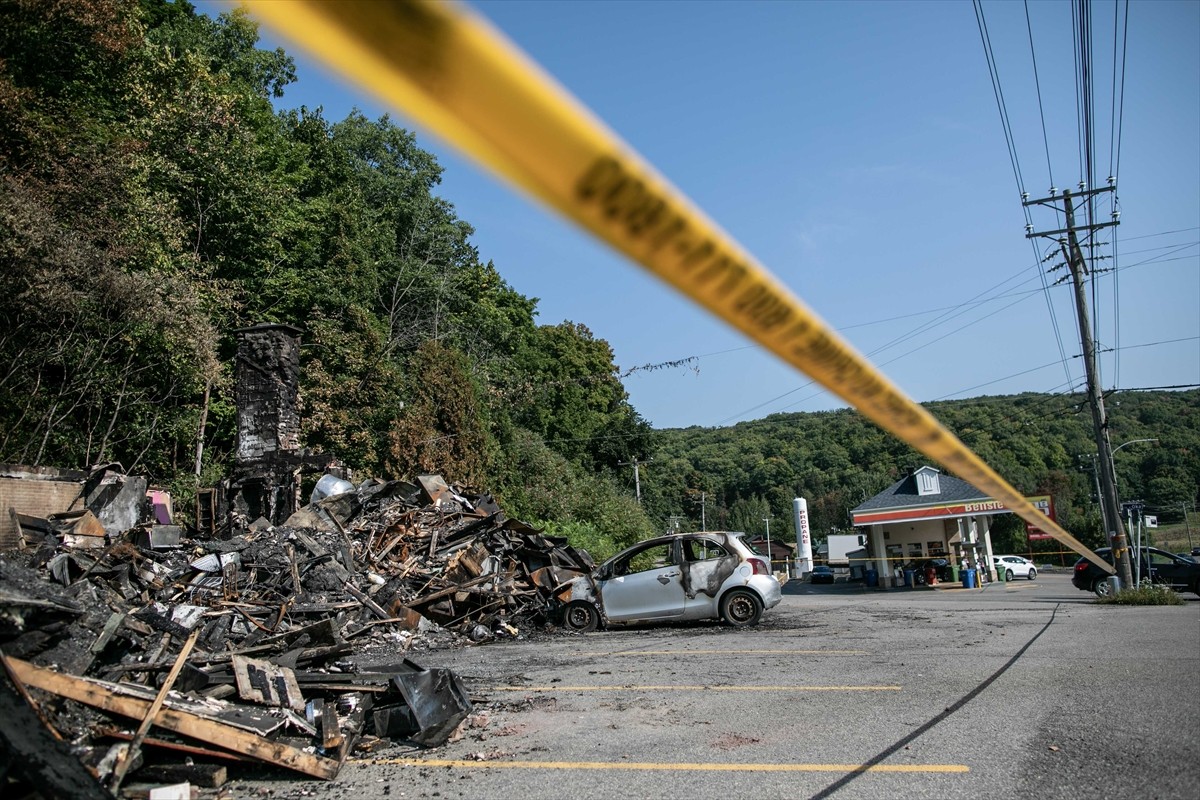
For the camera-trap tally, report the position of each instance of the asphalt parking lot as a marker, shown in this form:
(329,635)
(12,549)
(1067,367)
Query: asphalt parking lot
(1020,689)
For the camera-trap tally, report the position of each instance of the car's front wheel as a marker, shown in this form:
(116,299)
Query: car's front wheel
(581,616)
(1102,587)
(1032,574)
(741,608)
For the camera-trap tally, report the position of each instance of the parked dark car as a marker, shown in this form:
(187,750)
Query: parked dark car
(1181,574)
(821,574)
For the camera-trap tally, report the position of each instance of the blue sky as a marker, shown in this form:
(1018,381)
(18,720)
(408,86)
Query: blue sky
(856,149)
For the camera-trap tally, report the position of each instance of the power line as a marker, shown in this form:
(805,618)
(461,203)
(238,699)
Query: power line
(1156,344)
(1006,125)
(997,380)
(1115,161)
(973,302)
(1164,388)
(1163,233)
(1038,84)
(960,308)
(994,73)
(1114,150)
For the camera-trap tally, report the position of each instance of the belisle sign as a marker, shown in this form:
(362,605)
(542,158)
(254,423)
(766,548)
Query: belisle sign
(944,510)
(1044,504)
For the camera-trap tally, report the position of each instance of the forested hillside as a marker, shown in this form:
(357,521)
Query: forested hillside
(1040,443)
(152,202)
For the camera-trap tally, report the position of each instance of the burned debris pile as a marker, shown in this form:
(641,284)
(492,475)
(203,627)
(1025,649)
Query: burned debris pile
(281,644)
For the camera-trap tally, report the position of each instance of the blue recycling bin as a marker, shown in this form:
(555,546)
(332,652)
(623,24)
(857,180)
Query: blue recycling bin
(968,578)
(908,578)
(872,577)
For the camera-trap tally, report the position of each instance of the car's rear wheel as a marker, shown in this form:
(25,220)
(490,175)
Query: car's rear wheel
(1032,573)
(581,616)
(1102,587)
(1008,574)
(741,608)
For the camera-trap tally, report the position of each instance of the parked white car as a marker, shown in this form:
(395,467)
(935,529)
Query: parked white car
(1014,566)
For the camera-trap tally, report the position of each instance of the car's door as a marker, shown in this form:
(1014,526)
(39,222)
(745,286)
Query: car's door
(645,585)
(707,565)
(1166,568)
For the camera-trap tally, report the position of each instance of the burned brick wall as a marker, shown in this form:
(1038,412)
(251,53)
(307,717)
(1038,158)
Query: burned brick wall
(37,491)
(267,393)
(267,476)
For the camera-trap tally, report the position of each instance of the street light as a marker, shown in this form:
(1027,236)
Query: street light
(1113,464)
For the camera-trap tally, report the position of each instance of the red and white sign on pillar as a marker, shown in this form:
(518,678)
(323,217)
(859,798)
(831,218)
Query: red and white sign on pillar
(1044,504)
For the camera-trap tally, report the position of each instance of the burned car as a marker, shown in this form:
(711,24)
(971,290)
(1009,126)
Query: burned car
(684,576)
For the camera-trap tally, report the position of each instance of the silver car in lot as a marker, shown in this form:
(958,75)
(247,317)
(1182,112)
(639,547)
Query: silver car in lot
(684,576)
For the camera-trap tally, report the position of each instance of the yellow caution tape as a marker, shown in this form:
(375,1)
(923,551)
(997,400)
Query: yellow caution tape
(452,72)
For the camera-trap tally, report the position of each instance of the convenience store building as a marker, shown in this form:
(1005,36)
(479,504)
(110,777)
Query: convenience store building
(927,515)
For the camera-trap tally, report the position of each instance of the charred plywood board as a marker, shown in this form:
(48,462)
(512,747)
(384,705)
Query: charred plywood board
(267,684)
(102,695)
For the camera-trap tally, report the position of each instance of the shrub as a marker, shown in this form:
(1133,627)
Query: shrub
(585,536)
(1148,594)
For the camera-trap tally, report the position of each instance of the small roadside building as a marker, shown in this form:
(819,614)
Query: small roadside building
(927,515)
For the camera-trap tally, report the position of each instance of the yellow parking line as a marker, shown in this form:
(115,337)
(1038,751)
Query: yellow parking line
(650,766)
(730,652)
(696,688)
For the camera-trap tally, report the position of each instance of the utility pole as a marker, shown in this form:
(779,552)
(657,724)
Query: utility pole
(704,522)
(637,479)
(1130,507)
(1110,512)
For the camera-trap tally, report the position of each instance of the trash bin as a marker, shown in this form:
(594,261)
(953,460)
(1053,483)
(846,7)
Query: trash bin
(872,577)
(968,579)
(1000,574)
(954,576)
(908,578)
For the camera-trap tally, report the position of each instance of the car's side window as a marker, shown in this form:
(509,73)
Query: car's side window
(702,550)
(1161,560)
(651,558)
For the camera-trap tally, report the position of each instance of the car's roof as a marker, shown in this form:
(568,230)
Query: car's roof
(1104,551)
(671,537)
